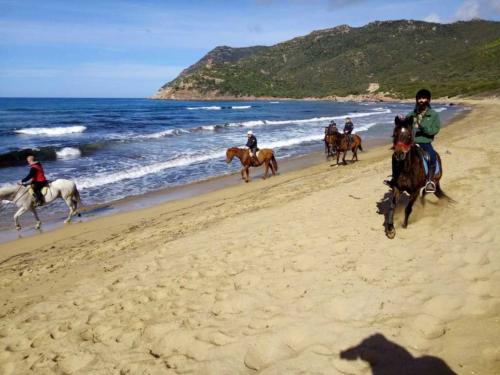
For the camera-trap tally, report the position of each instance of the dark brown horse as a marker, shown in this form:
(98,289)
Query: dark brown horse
(329,146)
(340,143)
(412,177)
(264,156)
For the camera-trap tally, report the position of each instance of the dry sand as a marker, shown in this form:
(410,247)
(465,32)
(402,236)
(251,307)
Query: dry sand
(273,277)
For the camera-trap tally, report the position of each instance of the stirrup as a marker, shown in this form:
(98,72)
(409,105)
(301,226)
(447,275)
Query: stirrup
(430,187)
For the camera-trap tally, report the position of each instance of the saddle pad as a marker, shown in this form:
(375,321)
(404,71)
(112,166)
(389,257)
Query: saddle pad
(44,191)
(426,164)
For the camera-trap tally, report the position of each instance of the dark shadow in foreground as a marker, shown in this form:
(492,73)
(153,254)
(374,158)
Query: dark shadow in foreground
(388,358)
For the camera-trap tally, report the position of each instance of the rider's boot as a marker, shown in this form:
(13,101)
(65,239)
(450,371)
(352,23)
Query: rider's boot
(430,186)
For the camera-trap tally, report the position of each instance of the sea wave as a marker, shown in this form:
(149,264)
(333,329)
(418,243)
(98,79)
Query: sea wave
(164,133)
(48,153)
(137,172)
(217,108)
(209,108)
(60,130)
(68,153)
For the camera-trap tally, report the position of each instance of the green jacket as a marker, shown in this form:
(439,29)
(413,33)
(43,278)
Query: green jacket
(429,126)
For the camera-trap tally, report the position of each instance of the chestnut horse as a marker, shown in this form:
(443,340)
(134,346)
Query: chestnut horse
(412,177)
(329,146)
(265,156)
(340,143)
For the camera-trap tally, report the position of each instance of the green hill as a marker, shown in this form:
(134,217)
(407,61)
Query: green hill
(395,57)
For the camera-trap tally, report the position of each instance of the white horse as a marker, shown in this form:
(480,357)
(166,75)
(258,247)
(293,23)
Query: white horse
(21,196)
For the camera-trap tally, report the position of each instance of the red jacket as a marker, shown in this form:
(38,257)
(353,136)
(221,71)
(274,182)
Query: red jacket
(36,174)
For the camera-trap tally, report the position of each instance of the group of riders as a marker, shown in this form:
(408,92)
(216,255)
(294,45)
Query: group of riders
(425,122)
(332,129)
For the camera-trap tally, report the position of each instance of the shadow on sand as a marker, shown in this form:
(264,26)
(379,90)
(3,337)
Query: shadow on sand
(388,358)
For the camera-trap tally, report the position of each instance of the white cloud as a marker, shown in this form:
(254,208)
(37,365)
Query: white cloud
(471,9)
(433,17)
(468,10)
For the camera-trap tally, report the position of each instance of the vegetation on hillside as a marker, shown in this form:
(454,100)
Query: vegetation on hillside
(401,56)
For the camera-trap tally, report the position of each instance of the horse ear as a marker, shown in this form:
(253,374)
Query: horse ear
(397,120)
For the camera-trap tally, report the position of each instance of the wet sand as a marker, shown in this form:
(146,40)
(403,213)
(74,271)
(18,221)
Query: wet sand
(293,274)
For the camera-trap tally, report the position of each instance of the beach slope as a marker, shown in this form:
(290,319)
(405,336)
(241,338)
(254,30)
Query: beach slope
(289,275)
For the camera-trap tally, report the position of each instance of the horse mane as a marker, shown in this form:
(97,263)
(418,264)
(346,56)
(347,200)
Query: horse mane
(7,190)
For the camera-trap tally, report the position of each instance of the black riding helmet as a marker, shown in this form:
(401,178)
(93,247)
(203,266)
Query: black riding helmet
(423,93)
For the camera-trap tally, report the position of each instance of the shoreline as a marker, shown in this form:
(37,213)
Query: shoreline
(284,275)
(54,221)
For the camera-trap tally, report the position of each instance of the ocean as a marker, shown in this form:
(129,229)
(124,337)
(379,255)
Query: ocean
(116,148)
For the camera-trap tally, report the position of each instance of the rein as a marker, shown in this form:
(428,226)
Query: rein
(19,197)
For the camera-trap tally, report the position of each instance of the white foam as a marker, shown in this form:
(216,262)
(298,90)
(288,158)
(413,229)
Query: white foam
(440,109)
(209,108)
(165,133)
(109,178)
(241,106)
(52,131)
(314,120)
(68,153)
(273,102)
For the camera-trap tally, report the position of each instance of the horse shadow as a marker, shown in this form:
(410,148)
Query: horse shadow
(388,358)
(384,204)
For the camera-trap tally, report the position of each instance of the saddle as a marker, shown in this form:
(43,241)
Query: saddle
(44,190)
(254,161)
(426,160)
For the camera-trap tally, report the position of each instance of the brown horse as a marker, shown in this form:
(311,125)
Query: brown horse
(412,177)
(329,146)
(264,156)
(340,142)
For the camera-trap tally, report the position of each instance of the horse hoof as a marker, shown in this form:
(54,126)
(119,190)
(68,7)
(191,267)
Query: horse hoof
(18,227)
(67,221)
(405,225)
(390,233)
(38,225)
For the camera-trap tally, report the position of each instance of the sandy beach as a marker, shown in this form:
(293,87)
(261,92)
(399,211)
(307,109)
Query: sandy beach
(288,275)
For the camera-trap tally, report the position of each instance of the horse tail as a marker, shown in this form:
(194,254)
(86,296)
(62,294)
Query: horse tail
(76,199)
(442,195)
(361,148)
(275,163)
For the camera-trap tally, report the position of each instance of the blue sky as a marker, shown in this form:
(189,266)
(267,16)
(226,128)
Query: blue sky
(129,48)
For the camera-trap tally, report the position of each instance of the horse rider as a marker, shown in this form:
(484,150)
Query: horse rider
(330,129)
(252,144)
(426,125)
(348,128)
(35,177)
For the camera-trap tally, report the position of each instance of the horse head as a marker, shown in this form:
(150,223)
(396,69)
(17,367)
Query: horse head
(230,153)
(8,192)
(402,137)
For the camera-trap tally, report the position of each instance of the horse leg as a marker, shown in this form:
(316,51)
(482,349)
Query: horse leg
(409,208)
(243,173)
(247,173)
(17,215)
(343,158)
(266,166)
(35,214)
(72,209)
(390,231)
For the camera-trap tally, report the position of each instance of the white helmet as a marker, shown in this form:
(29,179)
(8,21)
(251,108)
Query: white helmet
(249,132)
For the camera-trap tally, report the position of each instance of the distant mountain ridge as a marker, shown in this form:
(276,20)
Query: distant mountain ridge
(393,58)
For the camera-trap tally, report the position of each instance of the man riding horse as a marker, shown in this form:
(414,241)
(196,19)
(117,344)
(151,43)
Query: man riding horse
(331,129)
(252,146)
(426,125)
(35,177)
(348,128)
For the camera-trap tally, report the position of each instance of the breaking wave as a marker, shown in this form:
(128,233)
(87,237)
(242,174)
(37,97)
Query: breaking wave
(60,130)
